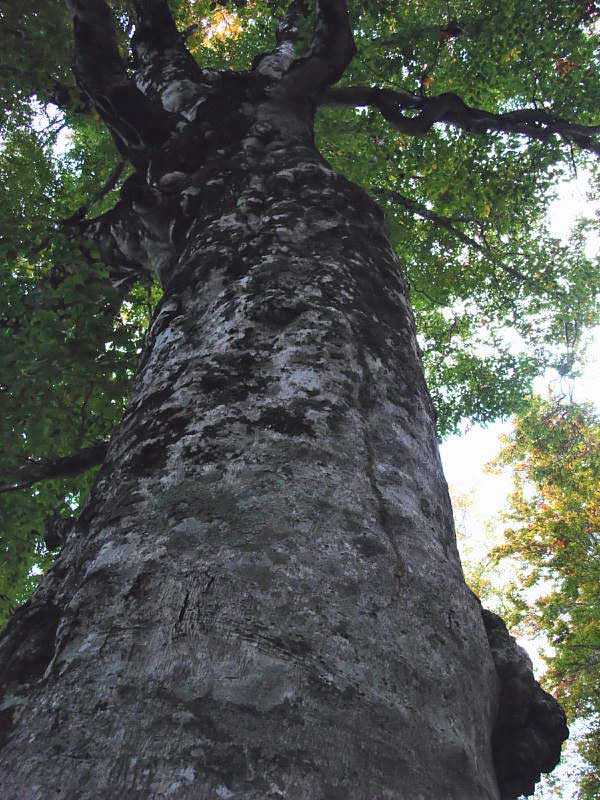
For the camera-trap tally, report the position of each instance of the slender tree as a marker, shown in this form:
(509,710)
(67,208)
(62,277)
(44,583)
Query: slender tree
(262,596)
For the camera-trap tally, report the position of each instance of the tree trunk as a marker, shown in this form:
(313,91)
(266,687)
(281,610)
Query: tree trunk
(263,597)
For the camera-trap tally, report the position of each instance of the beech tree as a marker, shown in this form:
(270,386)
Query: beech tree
(261,596)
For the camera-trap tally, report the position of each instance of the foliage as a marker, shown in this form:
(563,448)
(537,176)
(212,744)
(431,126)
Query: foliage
(66,358)
(35,58)
(554,543)
(455,204)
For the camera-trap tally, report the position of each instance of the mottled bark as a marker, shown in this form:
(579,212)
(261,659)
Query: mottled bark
(263,597)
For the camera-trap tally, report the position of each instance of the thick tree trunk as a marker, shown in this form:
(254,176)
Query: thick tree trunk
(263,597)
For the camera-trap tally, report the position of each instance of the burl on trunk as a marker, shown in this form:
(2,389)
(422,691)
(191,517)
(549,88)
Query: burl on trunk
(263,597)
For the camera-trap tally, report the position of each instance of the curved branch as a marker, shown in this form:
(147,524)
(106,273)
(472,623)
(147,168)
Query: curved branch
(452,110)
(533,123)
(44,469)
(135,237)
(331,50)
(137,123)
(76,223)
(109,184)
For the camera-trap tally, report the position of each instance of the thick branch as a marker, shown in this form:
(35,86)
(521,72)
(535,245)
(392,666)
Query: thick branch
(452,110)
(279,60)
(162,57)
(117,235)
(536,124)
(156,20)
(137,123)
(331,50)
(51,469)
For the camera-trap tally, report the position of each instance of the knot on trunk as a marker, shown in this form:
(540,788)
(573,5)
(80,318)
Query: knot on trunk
(531,726)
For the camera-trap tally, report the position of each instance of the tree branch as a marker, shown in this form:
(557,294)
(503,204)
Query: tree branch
(117,235)
(279,60)
(452,110)
(109,184)
(52,469)
(449,224)
(120,241)
(331,50)
(77,219)
(422,211)
(137,123)
(536,124)
(161,54)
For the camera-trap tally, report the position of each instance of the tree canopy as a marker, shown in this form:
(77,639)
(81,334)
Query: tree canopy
(459,118)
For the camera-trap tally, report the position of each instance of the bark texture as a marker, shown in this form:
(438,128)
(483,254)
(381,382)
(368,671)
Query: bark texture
(263,597)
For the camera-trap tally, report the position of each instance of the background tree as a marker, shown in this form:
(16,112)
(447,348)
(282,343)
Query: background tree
(170,169)
(554,546)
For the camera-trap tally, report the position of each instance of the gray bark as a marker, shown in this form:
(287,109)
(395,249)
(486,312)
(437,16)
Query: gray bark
(263,597)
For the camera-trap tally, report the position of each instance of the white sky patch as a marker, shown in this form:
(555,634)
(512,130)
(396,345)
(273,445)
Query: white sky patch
(49,119)
(583,389)
(573,199)
(465,457)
